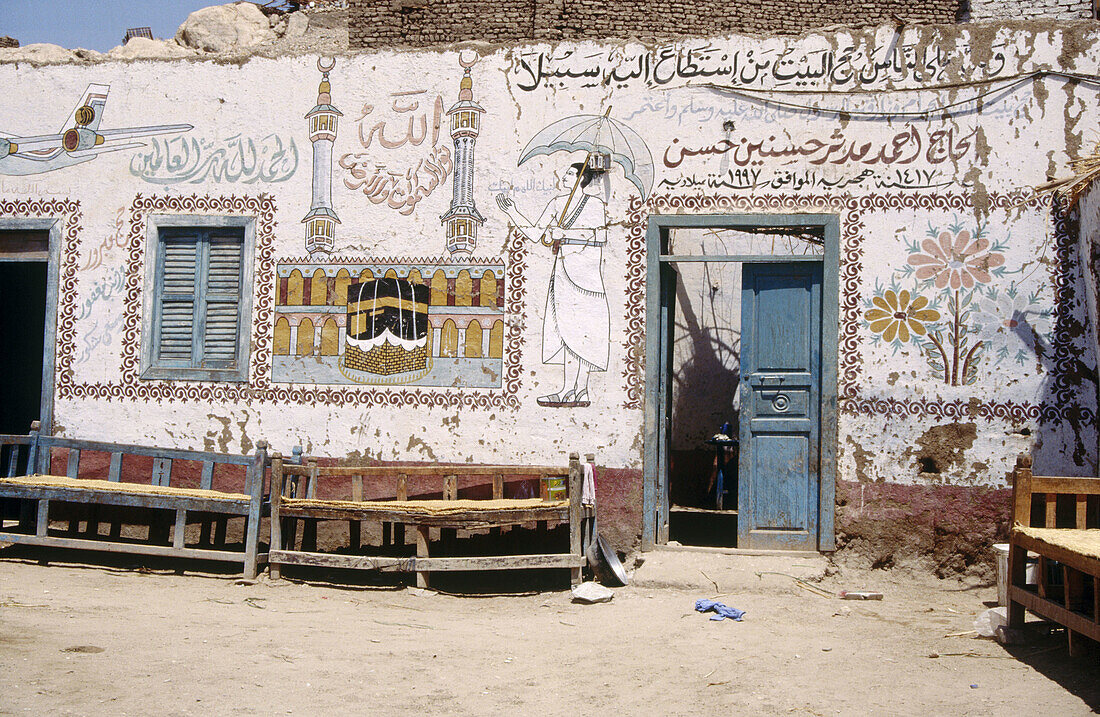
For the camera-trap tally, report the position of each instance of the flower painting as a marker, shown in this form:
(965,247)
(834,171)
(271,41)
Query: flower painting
(950,308)
(956,260)
(896,316)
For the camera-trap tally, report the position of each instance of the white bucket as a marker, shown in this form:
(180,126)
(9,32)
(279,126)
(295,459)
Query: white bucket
(1001,549)
(1031,575)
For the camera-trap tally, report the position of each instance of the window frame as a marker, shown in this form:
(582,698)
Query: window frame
(150,368)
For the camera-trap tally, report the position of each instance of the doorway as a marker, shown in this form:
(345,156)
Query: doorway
(740,431)
(24,310)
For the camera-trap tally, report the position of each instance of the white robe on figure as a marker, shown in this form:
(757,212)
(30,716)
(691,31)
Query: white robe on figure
(577,317)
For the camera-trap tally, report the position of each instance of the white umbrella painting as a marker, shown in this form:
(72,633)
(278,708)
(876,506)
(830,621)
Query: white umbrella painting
(596,135)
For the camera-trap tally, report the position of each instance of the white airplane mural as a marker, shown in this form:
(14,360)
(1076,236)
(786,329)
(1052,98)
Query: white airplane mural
(80,139)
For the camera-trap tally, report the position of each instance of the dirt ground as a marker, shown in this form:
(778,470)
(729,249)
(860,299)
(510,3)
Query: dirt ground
(115,637)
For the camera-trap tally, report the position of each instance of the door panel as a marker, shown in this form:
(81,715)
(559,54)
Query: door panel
(780,406)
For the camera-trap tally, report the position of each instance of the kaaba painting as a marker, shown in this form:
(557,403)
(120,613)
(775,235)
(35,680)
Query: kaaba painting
(436,322)
(387,327)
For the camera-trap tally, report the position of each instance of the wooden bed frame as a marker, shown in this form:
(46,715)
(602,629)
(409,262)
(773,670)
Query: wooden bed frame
(1071,553)
(293,497)
(26,479)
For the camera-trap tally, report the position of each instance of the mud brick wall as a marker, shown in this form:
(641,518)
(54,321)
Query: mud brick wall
(8,42)
(376,23)
(1028,9)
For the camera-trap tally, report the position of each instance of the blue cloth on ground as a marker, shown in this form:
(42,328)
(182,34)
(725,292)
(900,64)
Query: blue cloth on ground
(721,611)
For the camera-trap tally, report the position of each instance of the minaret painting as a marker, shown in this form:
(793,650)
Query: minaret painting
(463,219)
(322,220)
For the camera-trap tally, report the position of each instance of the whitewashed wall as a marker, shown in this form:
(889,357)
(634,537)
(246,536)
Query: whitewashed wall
(901,182)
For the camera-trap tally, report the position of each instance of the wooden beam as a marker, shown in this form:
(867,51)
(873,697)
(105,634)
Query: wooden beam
(73,466)
(1065,486)
(576,478)
(423,539)
(419,564)
(180,529)
(206,482)
(1084,563)
(430,470)
(1053,611)
(42,524)
(1017,575)
(355,527)
(469,520)
(1021,490)
(109,546)
(232,506)
(115,472)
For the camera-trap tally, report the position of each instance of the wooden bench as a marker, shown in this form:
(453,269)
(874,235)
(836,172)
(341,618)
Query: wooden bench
(1067,543)
(224,487)
(295,489)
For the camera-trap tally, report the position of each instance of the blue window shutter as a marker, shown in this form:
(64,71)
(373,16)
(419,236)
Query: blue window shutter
(176,321)
(222,301)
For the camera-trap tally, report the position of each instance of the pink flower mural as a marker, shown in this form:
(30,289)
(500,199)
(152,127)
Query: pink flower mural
(959,261)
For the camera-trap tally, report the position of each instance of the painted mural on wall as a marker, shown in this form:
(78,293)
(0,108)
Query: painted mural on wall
(462,219)
(79,140)
(427,323)
(321,220)
(956,296)
(237,158)
(960,306)
(344,319)
(576,323)
(413,162)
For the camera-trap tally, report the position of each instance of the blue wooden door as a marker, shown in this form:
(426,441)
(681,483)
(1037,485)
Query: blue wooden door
(779,468)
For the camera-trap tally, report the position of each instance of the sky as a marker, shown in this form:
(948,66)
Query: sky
(92,24)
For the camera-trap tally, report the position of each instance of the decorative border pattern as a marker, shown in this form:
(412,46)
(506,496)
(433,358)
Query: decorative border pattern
(394,261)
(68,212)
(634,344)
(260,386)
(851,211)
(261,207)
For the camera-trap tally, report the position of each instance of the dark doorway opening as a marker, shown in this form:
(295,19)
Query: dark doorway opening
(22,328)
(735,323)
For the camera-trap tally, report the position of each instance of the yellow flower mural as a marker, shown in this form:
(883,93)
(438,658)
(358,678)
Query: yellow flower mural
(897,315)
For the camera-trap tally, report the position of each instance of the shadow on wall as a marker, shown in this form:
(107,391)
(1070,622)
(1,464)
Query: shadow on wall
(705,381)
(1068,380)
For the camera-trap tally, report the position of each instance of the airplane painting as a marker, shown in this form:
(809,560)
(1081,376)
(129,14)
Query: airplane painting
(80,139)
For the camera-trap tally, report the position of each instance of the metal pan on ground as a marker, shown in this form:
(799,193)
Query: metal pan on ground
(615,575)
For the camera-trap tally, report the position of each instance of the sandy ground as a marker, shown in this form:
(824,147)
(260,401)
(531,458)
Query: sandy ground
(113,638)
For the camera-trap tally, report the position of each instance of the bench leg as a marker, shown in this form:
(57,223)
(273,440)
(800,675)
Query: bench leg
(309,535)
(42,522)
(180,528)
(447,538)
(220,528)
(252,541)
(1078,643)
(92,529)
(160,526)
(1017,571)
(423,537)
(290,528)
(205,532)
(26,516)
(355,534)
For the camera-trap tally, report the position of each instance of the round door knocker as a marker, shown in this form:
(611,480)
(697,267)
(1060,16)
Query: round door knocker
(781,402)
